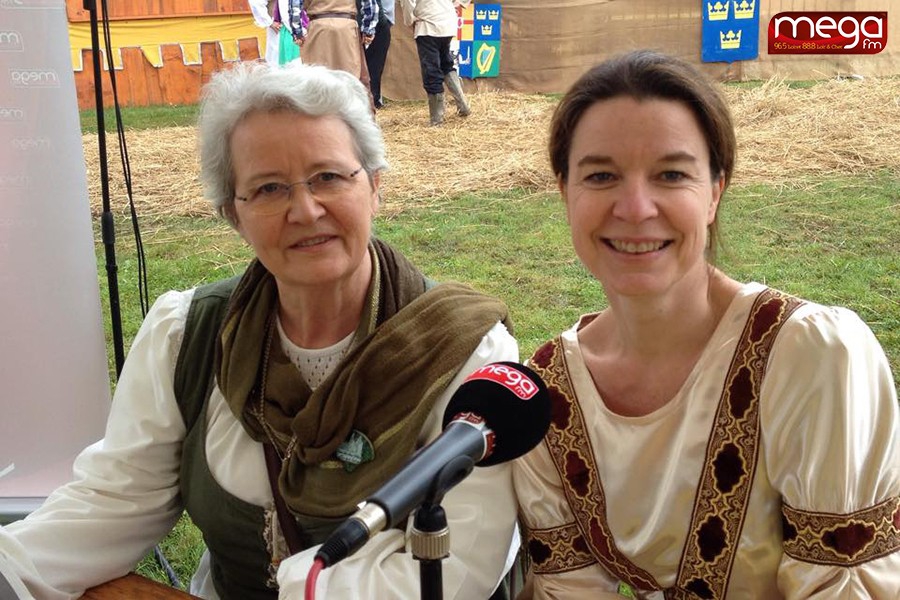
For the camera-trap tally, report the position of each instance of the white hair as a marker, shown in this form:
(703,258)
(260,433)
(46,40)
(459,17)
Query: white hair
(252,87)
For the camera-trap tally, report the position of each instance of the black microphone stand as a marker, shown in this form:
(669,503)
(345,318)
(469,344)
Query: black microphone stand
(430,539)
(107,224)
(107,228)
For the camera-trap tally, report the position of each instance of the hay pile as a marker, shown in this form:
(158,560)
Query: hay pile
(839,127)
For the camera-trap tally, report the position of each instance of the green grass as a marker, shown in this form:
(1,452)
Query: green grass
(142,117)
(510,245)
(182,550)
(833,241)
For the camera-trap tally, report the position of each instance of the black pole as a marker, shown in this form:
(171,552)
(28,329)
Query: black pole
(430,545)
(431,580)
(107,226)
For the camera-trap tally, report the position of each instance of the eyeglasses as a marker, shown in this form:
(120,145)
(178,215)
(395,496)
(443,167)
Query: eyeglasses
(274,197)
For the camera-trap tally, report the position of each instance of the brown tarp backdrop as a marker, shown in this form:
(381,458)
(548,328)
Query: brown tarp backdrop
(545,45)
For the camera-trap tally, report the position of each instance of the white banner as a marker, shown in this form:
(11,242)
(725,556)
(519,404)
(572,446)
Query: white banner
(54,386)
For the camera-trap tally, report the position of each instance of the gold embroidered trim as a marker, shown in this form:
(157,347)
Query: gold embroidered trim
(558,549)
(569,446)
(842,540)
(727,475)
(720,504)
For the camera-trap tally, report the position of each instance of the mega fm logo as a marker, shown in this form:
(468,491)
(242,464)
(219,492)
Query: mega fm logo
(10,114)
(828,33)
(11,41)
(510,378)
(24,78)
(31,144)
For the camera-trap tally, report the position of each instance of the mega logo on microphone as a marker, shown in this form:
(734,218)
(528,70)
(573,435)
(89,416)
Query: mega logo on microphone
(512,379)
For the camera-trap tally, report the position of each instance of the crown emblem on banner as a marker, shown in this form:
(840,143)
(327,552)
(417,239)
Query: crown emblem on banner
(487,29)
(717,11)
(493,15)
(481,14)
(730,40)
(744,9)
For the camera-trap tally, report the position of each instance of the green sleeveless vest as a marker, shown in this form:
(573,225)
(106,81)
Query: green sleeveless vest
(232,529)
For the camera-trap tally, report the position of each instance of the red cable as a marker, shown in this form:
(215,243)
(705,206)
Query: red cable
(317,566)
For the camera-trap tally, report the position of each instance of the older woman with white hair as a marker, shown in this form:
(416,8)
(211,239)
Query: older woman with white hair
(270,405)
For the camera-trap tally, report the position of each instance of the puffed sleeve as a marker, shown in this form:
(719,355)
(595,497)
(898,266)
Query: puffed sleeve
(481,516)
(124,496)
(831,435)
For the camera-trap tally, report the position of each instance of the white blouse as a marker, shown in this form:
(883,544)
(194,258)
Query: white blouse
(125,494)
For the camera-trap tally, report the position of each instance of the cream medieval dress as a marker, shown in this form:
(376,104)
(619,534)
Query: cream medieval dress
(820,512)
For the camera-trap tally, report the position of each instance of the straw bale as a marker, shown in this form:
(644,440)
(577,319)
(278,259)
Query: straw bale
(785,136)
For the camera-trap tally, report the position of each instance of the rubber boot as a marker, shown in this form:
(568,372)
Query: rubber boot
(436,109)
(454,86)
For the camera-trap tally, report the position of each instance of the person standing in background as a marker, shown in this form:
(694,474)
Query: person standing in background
(263,12)
(435,22)
(333,38)
(376,52)
(287,49)
(280,48)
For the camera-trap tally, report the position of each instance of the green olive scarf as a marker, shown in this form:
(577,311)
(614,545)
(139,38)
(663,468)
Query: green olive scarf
(409,346)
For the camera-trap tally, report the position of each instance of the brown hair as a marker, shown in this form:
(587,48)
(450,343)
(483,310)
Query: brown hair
(645,74)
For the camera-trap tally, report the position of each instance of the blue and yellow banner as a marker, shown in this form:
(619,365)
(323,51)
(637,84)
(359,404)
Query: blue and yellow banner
(730,30)
(479,41)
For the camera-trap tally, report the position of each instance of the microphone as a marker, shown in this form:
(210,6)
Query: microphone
(500,412)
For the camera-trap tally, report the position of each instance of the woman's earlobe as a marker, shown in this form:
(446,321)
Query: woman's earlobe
(561,185)
(376,184)
(231,216)
(717,192)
